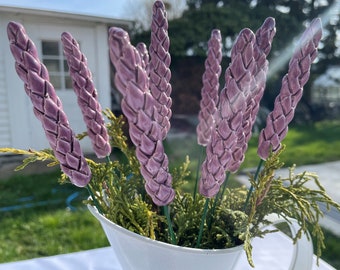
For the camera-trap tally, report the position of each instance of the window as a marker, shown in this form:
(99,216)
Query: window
(53,58)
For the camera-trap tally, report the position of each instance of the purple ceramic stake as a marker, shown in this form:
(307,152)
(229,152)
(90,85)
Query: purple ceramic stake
(291,90)
(87,96)
(232,106)
(144,55)
(47,106)
(210,89)
(160,59)
(264,37)
(139,107)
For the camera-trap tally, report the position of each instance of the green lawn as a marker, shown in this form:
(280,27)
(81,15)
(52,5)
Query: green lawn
(39,221)
(41,230)
(308,144)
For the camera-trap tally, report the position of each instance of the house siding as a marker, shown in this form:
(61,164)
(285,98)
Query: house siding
(5,130)
(18,126)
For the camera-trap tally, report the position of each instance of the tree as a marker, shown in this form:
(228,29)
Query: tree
(189,33)
(141,11)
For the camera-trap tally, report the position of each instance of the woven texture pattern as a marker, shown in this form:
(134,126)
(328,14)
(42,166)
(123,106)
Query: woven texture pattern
(86,95)
(47,107)
(210,89)
(160,59)
(139,107)
(291,90)
(263,39)
(240,81)
(144,55)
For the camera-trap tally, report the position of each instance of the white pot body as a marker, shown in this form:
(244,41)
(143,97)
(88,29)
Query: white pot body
(136,252)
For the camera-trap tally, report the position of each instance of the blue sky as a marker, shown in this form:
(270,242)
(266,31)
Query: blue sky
(106,8)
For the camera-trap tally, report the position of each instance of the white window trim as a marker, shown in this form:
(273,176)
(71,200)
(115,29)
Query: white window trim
(62,73)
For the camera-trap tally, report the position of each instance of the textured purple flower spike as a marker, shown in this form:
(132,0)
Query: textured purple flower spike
(160,59)
(210,89)
(144,54)
(264,37)
(291,90)
(232,106)
(47,107)
(139,107)
(23,49)
(87,96)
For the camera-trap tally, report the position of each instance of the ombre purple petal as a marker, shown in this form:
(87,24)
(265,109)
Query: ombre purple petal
(144,54)
(264,37)
(159,67)
(210,89)
(87,96)
(231,109)
(140,109)
(291,90)
(47,106)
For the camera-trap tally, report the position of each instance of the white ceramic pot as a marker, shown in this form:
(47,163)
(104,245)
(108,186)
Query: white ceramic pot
(136,252)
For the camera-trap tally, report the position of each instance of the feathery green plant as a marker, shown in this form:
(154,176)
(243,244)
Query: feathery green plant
(119,192)
(133,188)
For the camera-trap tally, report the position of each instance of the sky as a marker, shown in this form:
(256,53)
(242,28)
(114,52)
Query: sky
(103,8)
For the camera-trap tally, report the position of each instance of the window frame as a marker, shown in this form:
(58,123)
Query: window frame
(62,75)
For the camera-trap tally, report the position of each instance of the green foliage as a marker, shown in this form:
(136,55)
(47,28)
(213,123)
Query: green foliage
(331,253)
(37,233)
(294,198)
(228,223)
(122,199)
(192,30)
(117,190)
(180,174)
(221,229)
(190,33)
(298,196)
(40,223)
(305,144)
(32,156)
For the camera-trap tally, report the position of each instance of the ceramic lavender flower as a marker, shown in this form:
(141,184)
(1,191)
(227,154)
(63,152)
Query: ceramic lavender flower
(210,89)
(23,49)
(87,96)
(160,59)
(140,108)
(129,76)
(144,54)
(236,215)
(291,91)
(264,37)
(47,107)
(240,81)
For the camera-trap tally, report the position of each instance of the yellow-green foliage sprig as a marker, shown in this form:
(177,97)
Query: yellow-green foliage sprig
(296,196)
(118,189)
(32,156)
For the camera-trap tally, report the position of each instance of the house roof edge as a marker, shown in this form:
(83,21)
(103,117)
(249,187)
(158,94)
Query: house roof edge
(66,15)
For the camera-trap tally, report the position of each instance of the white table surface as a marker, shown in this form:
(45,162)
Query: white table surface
(273,252)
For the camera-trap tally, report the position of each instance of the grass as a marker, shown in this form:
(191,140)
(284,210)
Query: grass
(331,254)
(44,233)
(34,228)
(61,227)
(310,144)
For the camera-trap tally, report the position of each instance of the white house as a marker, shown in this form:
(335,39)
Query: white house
(18,126)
